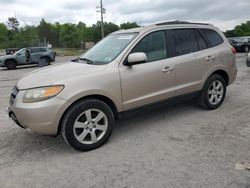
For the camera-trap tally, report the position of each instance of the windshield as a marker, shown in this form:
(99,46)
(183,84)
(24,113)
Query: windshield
(107,49)
(21,51)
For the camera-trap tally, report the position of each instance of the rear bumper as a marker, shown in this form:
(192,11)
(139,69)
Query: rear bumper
(233,75)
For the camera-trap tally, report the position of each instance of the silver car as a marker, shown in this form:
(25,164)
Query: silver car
(126,70)
(27,56)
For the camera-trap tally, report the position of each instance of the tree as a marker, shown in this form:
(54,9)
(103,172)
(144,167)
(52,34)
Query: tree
(59,35)
(239,30)
(13,24)
(4,35)
(129,25)
(69,36)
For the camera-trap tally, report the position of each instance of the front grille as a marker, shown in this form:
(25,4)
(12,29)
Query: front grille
(13,95)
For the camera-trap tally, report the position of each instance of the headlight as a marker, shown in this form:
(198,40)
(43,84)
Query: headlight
(41,94)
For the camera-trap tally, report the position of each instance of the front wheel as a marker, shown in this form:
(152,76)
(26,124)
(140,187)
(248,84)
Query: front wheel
(213,93)
(11,65)
(88,124)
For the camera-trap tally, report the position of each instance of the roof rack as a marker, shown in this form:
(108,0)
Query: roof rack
(179,22)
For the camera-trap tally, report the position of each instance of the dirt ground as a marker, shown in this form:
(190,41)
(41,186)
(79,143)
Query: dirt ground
(178,145)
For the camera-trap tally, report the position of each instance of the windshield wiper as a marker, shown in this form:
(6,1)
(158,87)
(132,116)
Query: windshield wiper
(89,61)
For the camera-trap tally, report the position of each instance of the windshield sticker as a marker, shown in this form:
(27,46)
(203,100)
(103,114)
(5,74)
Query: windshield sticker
(125,37)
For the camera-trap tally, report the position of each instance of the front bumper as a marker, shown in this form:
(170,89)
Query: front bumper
(2,64)
(39,117)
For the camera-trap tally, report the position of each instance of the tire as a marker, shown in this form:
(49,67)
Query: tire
(48,60)
(212,96)
(248,62)
(246,49)
(11,65)
(81,130)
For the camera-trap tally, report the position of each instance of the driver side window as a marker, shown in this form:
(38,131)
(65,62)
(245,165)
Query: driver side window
(22,53)
(153,45)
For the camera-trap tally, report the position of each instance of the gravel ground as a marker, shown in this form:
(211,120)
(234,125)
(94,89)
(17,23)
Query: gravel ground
(178,146)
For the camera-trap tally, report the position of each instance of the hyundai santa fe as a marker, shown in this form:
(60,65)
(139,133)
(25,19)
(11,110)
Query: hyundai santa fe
(126,70)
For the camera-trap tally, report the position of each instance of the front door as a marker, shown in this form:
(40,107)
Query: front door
(20,56)
(152,81)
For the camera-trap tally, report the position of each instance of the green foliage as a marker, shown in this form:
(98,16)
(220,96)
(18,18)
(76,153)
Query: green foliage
(129,25)
(239,31)
(59,35)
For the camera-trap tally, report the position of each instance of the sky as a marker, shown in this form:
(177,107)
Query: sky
(224,14)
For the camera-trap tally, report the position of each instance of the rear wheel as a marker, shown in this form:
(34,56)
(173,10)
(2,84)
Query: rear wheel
(246,49)
(10,65)
(88,124)
(213,93)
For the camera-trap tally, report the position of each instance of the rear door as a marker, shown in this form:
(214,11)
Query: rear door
(190,57)
(36,55)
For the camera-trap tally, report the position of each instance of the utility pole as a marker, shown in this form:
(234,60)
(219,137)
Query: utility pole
(102,11)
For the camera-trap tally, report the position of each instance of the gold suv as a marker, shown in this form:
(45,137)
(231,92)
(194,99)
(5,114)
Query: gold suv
(126,70)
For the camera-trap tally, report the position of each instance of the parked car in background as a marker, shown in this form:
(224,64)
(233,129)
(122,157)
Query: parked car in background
(241,44)
(27,56)
(126,70)
(248,60)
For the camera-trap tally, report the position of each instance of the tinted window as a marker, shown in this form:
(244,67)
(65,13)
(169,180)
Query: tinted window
(42,49)
(212,36)
(201,42)
(154,45)
(37,50)
(185,41)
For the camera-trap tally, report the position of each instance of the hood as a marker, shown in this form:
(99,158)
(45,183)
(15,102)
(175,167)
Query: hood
(3,57)
(56,73)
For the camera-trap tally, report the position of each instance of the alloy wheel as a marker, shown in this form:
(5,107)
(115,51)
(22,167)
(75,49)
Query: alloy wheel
(215,92)
(90,126)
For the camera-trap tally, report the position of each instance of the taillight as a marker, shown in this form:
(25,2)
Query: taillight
(233,50)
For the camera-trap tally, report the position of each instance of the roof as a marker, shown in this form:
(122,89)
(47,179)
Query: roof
(161,24)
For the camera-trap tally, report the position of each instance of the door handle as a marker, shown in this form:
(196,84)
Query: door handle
(167,69)
(209,58)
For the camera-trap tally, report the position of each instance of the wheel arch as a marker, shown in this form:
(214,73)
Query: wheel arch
(46,56)
(12,59)
(102,98)
(222,73)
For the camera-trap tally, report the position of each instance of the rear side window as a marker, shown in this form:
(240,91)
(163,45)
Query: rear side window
(43,50)
(214,39)
(154,45)
(201,42)
(37,50)
(185,41)
(34,50)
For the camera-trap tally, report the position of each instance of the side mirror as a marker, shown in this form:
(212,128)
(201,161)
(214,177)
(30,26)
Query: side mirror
(136,58)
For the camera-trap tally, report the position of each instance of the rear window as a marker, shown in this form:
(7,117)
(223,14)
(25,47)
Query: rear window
(214,39)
